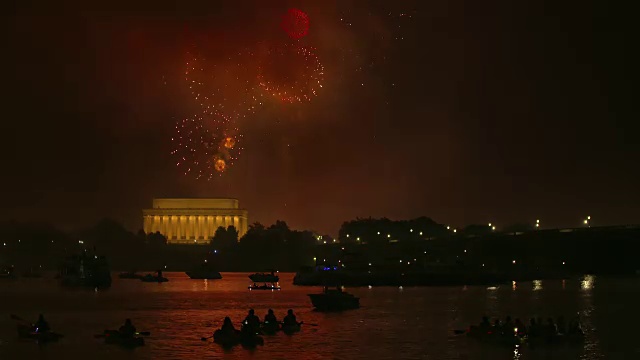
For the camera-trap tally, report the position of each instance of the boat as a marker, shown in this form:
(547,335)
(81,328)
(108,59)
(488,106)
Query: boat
(115,338)
(26,332)
(204,271)
(85,270)
(129,275)
(265,286)
(264,277)
(269,328)
(290,329)
(334,300)
(154,278)
(246,339)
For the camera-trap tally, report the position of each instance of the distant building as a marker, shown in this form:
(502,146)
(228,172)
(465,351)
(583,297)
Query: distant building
(193,221)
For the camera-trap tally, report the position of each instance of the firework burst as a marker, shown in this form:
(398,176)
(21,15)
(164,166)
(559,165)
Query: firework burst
(290,73)
(203,152)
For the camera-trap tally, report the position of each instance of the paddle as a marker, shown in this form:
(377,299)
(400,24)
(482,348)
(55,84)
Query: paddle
(304,323)
(143,333)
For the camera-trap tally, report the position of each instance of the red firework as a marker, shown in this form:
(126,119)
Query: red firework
(295,23)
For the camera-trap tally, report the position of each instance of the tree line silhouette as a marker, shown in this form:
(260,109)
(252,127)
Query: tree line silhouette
(407,245)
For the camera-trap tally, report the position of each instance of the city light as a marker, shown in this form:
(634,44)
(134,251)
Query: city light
(314,258)
(347,235)
(388,235)
(80,242)
(514,262)
(447,227)
(454,230)
(358,239)
(420,233)
(489,224)
(378,232)
(411,230)
(493,228)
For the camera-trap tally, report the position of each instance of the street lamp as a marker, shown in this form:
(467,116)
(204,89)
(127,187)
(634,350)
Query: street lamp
(537,223)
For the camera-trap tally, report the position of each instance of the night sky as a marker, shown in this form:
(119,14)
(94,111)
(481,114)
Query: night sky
(463,111)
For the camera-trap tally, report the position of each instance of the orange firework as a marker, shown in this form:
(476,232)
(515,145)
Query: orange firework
(229,142)
(220,165)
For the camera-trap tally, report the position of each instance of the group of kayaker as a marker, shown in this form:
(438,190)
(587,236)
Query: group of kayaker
(536,327)
(252,322)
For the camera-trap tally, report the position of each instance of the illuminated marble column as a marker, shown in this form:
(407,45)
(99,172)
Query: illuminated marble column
(163,225)
(218,222)
(147,224)
(167,227)
(182,221)
(174,226)
(210,228)
(236,223)
(196,231)
(190,229)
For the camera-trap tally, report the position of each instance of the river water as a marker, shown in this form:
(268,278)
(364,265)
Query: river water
(393,323)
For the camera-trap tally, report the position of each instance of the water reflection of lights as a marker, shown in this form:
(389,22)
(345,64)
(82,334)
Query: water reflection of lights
(514,286)
(537,285)
(492,288)
(587,282)
(206,284)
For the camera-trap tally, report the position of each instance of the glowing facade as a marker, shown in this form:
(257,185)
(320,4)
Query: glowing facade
(193,221)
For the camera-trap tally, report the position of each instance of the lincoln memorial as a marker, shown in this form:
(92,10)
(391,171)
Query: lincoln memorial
(193,221)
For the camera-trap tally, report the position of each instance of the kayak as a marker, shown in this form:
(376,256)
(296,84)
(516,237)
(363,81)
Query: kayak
(269,328)
(291,328)
(236,338)
(115,338)
(152,278)
(26,332)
